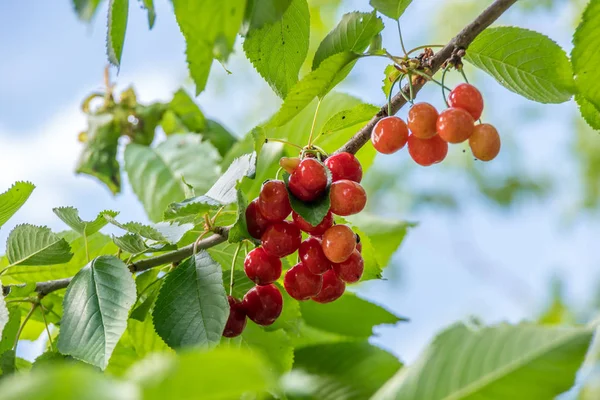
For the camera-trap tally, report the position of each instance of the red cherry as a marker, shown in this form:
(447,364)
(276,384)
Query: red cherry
(347,197)
(338,243)
(281,239)
(344,166)
(237,318)
(422,118)
(255,221)
(333,288)
(300,283)
(289,164)
(468,98)
(426,152)
(309,180)
(262,268)
(273,201)
(263,304)
(389,135)
(312,256)
(485,142)
(351,270)
(455,125)
(313,230)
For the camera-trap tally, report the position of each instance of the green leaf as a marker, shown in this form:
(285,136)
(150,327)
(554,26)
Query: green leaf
(316,84)
(278,49)
(36,245)
(99,156)
(144,338)
(239,230)
(262,12)
(209,29)
(96,307)
(588,111)
(390,8)
(117,25)
(525,62)
(155,173)
(500,362)
(220,137)
(184,107)
(162,232)
(148,286)
(149,6)
(65,381)
(353,34)
(346,370)
(131,243)
(86,9)
(192,308)
(312,212)
(349,316)
(275,346)
(178,377)
(13,199)
(70,216)
(359,114)
(585,55)
(9,333)
(222,193)
(3,313)
(391,74)
(8,362)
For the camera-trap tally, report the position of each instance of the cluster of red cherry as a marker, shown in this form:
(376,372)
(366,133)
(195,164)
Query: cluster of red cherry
(431,132)
(329,257)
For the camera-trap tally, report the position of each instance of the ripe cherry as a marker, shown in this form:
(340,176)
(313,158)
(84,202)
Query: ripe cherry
(281,239)
(338,243)
(237,318)
(485,142)
(422,118)
(261,268)
(351,270)
(313,230)
(312,256)
(455,125)
(468,98)
(333,288)
(263,304)
(344,166)
(347,197)
(426,152)
(309,180)
(255,221)
(289,164)
(301,284)
(389,135)
(273,201)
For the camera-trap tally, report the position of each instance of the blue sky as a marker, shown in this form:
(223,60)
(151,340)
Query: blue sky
(482,261)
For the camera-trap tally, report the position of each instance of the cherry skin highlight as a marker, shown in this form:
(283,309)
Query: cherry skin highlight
(312,256)
(455,125)
(389,135)
(301,284)
(347,197)
(344,166)
(309,180)
(273,201)
(485,142)
(468,98)
(422,118)
(333,288)
(263,304)
(313,230)
(338,243)
(237,318)
(427,152)
(281,239)
(261,268)
(257,224)
(351,270)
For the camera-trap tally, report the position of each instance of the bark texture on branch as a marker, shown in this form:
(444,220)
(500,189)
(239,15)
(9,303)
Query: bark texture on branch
(461,41)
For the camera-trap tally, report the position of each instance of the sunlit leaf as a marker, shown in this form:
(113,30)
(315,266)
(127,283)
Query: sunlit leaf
(36,245)
(13,199)
(117,25)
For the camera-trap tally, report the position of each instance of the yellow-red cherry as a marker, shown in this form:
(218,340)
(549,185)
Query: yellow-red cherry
(422,119)
(351,270)
(467,97)
(455,125)
(485,142)
(426,152)
(344,166)
(347,197)
(389,135)
(338,243)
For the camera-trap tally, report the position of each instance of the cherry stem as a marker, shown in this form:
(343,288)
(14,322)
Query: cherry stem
(462,72)
(235,255)
(267,140)
(46,325)
(411,90)
(33,307)
(444,87)
(278,172)
(399,78)
(401,40)
(424,47)
(424,75)
(312,129)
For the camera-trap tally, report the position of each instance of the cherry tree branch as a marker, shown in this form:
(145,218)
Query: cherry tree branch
(459,42)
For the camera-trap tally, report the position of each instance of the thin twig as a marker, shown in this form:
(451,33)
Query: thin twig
(29,314)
